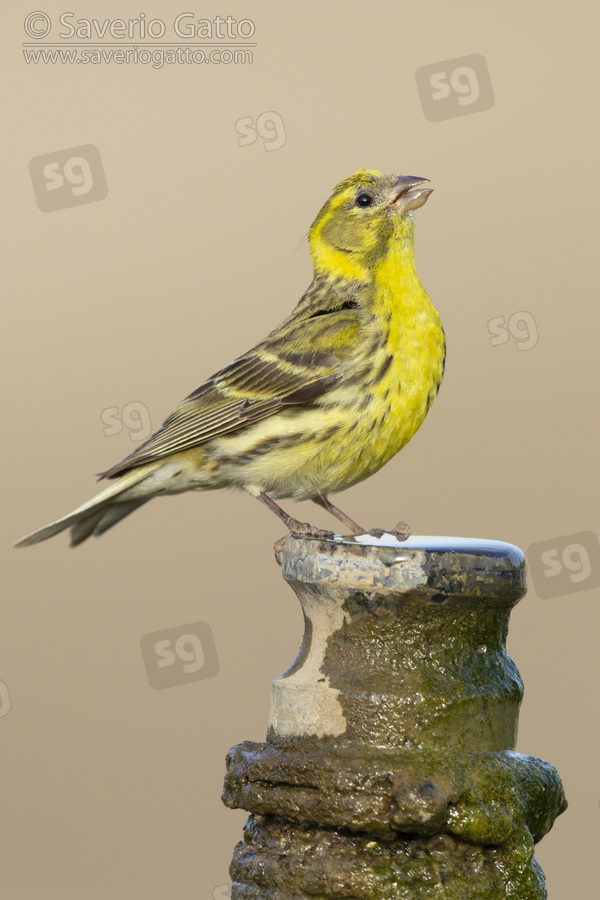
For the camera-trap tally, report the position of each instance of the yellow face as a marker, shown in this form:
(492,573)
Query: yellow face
(364,212)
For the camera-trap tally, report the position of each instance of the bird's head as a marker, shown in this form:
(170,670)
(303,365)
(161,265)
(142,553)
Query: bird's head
(366,214)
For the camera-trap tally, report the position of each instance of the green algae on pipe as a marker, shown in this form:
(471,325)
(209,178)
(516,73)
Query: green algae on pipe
(404,643)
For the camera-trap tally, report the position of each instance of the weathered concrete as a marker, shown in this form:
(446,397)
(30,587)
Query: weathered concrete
(389,768)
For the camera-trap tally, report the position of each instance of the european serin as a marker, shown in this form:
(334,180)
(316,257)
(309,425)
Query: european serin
(326,399)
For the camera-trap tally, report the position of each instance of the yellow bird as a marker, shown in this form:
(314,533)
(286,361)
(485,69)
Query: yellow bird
(326,399)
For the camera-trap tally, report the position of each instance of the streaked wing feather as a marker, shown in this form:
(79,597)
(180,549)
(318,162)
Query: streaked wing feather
(276,373)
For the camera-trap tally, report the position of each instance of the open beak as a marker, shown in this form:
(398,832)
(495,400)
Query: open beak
(407,195)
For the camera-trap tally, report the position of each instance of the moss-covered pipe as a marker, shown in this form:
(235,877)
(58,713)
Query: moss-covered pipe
(389,768)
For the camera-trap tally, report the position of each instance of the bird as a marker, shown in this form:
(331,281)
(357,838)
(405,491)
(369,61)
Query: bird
(325,400)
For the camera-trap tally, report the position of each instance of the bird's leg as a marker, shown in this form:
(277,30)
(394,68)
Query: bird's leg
(295,527)
(400,531)
(326,503)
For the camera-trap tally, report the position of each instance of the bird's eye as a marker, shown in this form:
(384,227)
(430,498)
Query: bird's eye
(364,200)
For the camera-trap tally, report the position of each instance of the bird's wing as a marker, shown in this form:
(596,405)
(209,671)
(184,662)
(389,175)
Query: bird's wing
(296,364)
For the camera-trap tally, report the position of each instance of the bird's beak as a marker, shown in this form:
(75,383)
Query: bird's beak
(406,194)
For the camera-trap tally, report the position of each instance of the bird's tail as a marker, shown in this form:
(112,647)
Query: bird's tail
(101,512)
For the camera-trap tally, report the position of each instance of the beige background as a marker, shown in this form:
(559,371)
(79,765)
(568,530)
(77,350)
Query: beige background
(111,788)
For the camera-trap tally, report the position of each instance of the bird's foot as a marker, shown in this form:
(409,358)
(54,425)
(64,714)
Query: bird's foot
(401,531)
(303,529)
(300,529)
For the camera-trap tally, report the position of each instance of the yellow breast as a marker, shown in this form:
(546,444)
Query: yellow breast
(407,354)
(358,426)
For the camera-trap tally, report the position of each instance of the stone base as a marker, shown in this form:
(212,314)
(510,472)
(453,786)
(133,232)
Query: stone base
(421,823)
(278,860)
